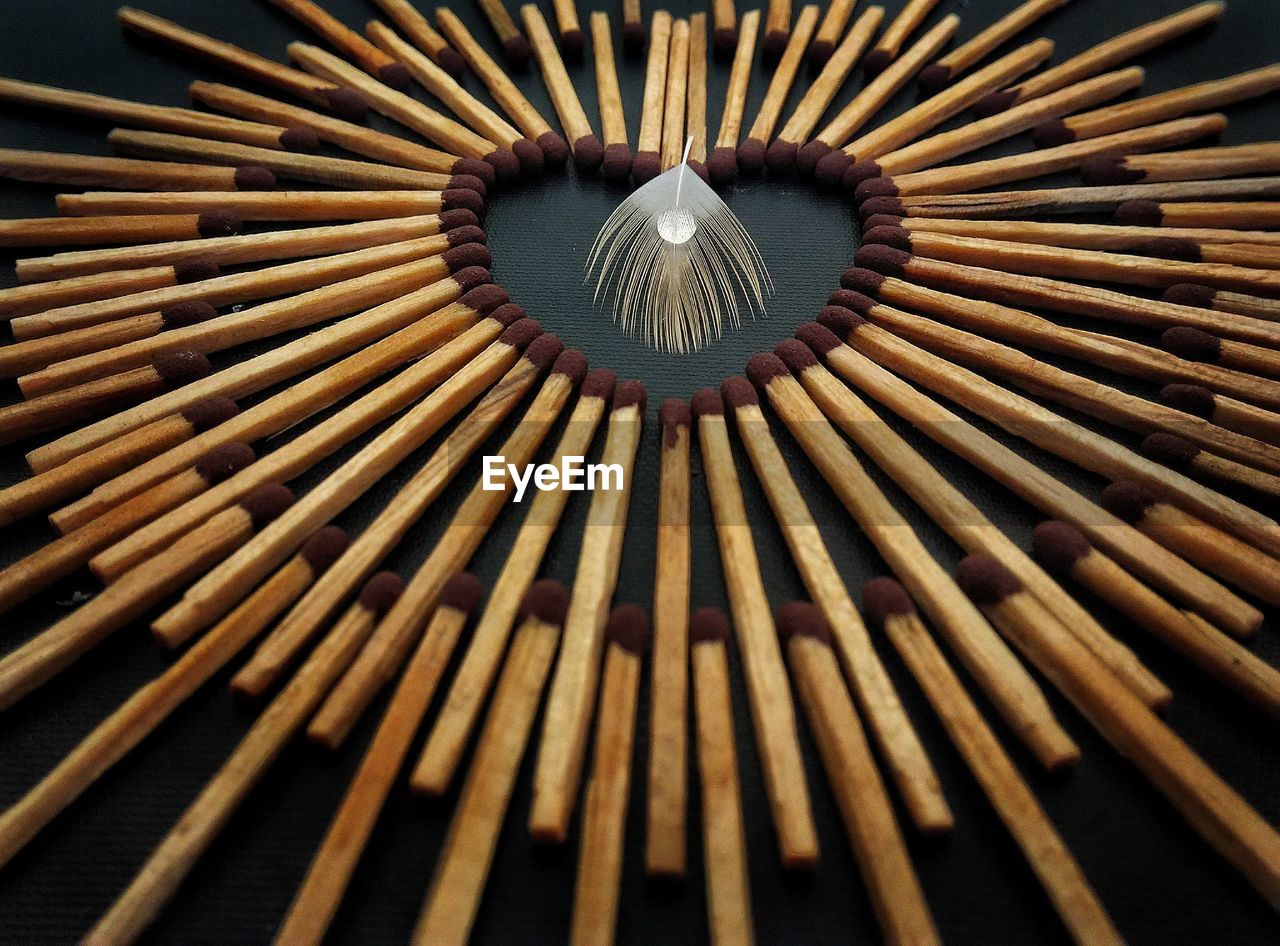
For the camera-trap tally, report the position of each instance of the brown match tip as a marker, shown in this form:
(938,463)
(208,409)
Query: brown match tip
(572,364)
(882,259)
(519,334)
(724,42)
(1052,134)
(934,78)
(829,170)
(801,619)
(737,391)
(251,177)
(616,166)
(450,62)
(862,281)
(395,75)
(544,350)
(554,148)
(994,102)
(706,402)
(547,600)
(875,187)
(700,169)
(630,394)
(1126,500)
(881,220)
(1108,169)
(468,254)
(195,270)
(794,355)
(588,153)
(347,104)
(1170,451)
(299,140)
(209,413)
(807,157)
(267,503)
(708,624)
(851,300)
(843,322)
(1139,213)
(600,383)
(673,414)
(773,46)
(780,156)
(645,166)
(461,592)
(633,39)
(1059,545)
(1191,343)
(985,579)
(763,368)
(751,156)
(469,233)
(324,548)
(1175,248)
(474,167)
(381,592)
(225,461)
(857,174)
(572,45)
(218,223)
(1190,294)
(452,219)
(820,51)
(722,166)
(1189,398)
(473,182)
(459,199)
(180,367)
(532,161)
(896,237)
(517,50)
(505,164)
(882,205)
(508,314)
(876,62)
(485,297)
(884,598)
(812,339)
(628,627)
(187,313)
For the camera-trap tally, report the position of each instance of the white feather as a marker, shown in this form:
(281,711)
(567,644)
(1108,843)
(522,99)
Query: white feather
(675,259)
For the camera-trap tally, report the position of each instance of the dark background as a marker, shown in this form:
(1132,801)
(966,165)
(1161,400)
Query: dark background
(1161,883)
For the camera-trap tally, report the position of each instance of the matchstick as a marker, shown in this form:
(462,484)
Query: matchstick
(1236,214)
(1226,412)
(203,821)
(724,842)
(1208,804)
(604,815)
(588,153)
(907,21)
(504,91)
(462,193)
(1235,254)
(569,30)
(571,699)
(724,29)
(889,607)
(321,891)
(351,44)
(1185,457)
(647,163)
(838,63)
(890,726)
(139,715)
(1066,551)
(777,25)
(17,301)
(420,32)
(1202,97)
(1010,687)
(773,713)
(828,33)
(461,709)
(616,163)
(633,31)
(1198,345)
(80,170)
(1253,310)
(514,46)
(696,95)
(722,165)
(751,150)
(1106,55)
(942,73)
(345,102)
(103,231)
(673,109)
(868,817)
(1199,165)
(463,869)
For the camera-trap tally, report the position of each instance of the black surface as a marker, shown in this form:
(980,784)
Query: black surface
(1161,883)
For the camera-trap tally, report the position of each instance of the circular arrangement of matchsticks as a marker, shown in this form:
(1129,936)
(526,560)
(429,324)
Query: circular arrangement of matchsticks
(162,482)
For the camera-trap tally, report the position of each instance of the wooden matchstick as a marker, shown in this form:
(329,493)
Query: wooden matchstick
(724,29)
(80,170)
(722,164)
(121,731)
(420,32)
(514,46)
(604,814)
(827,35)
(751,149)
(386,68)
(1196,344)
(1202,97)
(1002,677)
(569,30)
(874,835)
(907,21)
(1237,215)
(1253,311)
(1066,551)
(889,607)
(942,73)
(588,152)
(463,869)
(571,700)
(27,300)
(673,108)
(648,161)
(777,26)
(890,727)
(1207,803)
(1265,256)
(633,31)
(1203,164)
(695,121)
(103,231)
(342,101)
(322,889)
(463,193)
(1106,55)
(668,706)
(1185,457)
(204,820)
(616,163)
(1226,412)
(461,709)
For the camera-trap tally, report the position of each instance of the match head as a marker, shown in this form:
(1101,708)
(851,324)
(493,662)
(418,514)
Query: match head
(177,368)
(1139,213)
(722,166)
(812,339)
(630,394)
(544,350)
(773,46)
(183,314)
(474,167)
(347,104)
(884,260)
(218,223)
(780,156)
(484,298)
(1053,134)
(876,62)
(801,619)
(882,220)
(469,181)
(1170,451)
(547,600)
(517,50)
(763,368)
(462,198)
(299,140)
(882,205)
(737,391)
(452,219)
(324,548)
(995,102)
(506,166)
(875,187)
(1188,398)
(829,170)
(600,383)
(628,627)
(1059,545)
(1190,294)
(633,39)
(588,153)
(708,625)
(471,233)
(673,414)
(724,42)
(700,169)
(985,579)
(807,157)
(1191,343)
(820,51)
(884,598)
(572,45)
(554,148)
(1126,500)
(451,62)
(508,314)
(468,254)
(1186,251)
(381,592)
(934,78)
(222,463)
(707,403)
(267,503)
(645,166)
(896,237)
(572,364)
(532,160)
(751,156)
(853,301)
(862,281)
(842,322)
(209,413)
(1108,169)
(395,75)
(251,177)
(461,592)
(616,166)
(858,173)
(519,334)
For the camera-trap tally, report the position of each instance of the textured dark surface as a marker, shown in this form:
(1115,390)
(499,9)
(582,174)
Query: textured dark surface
(1161,884)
